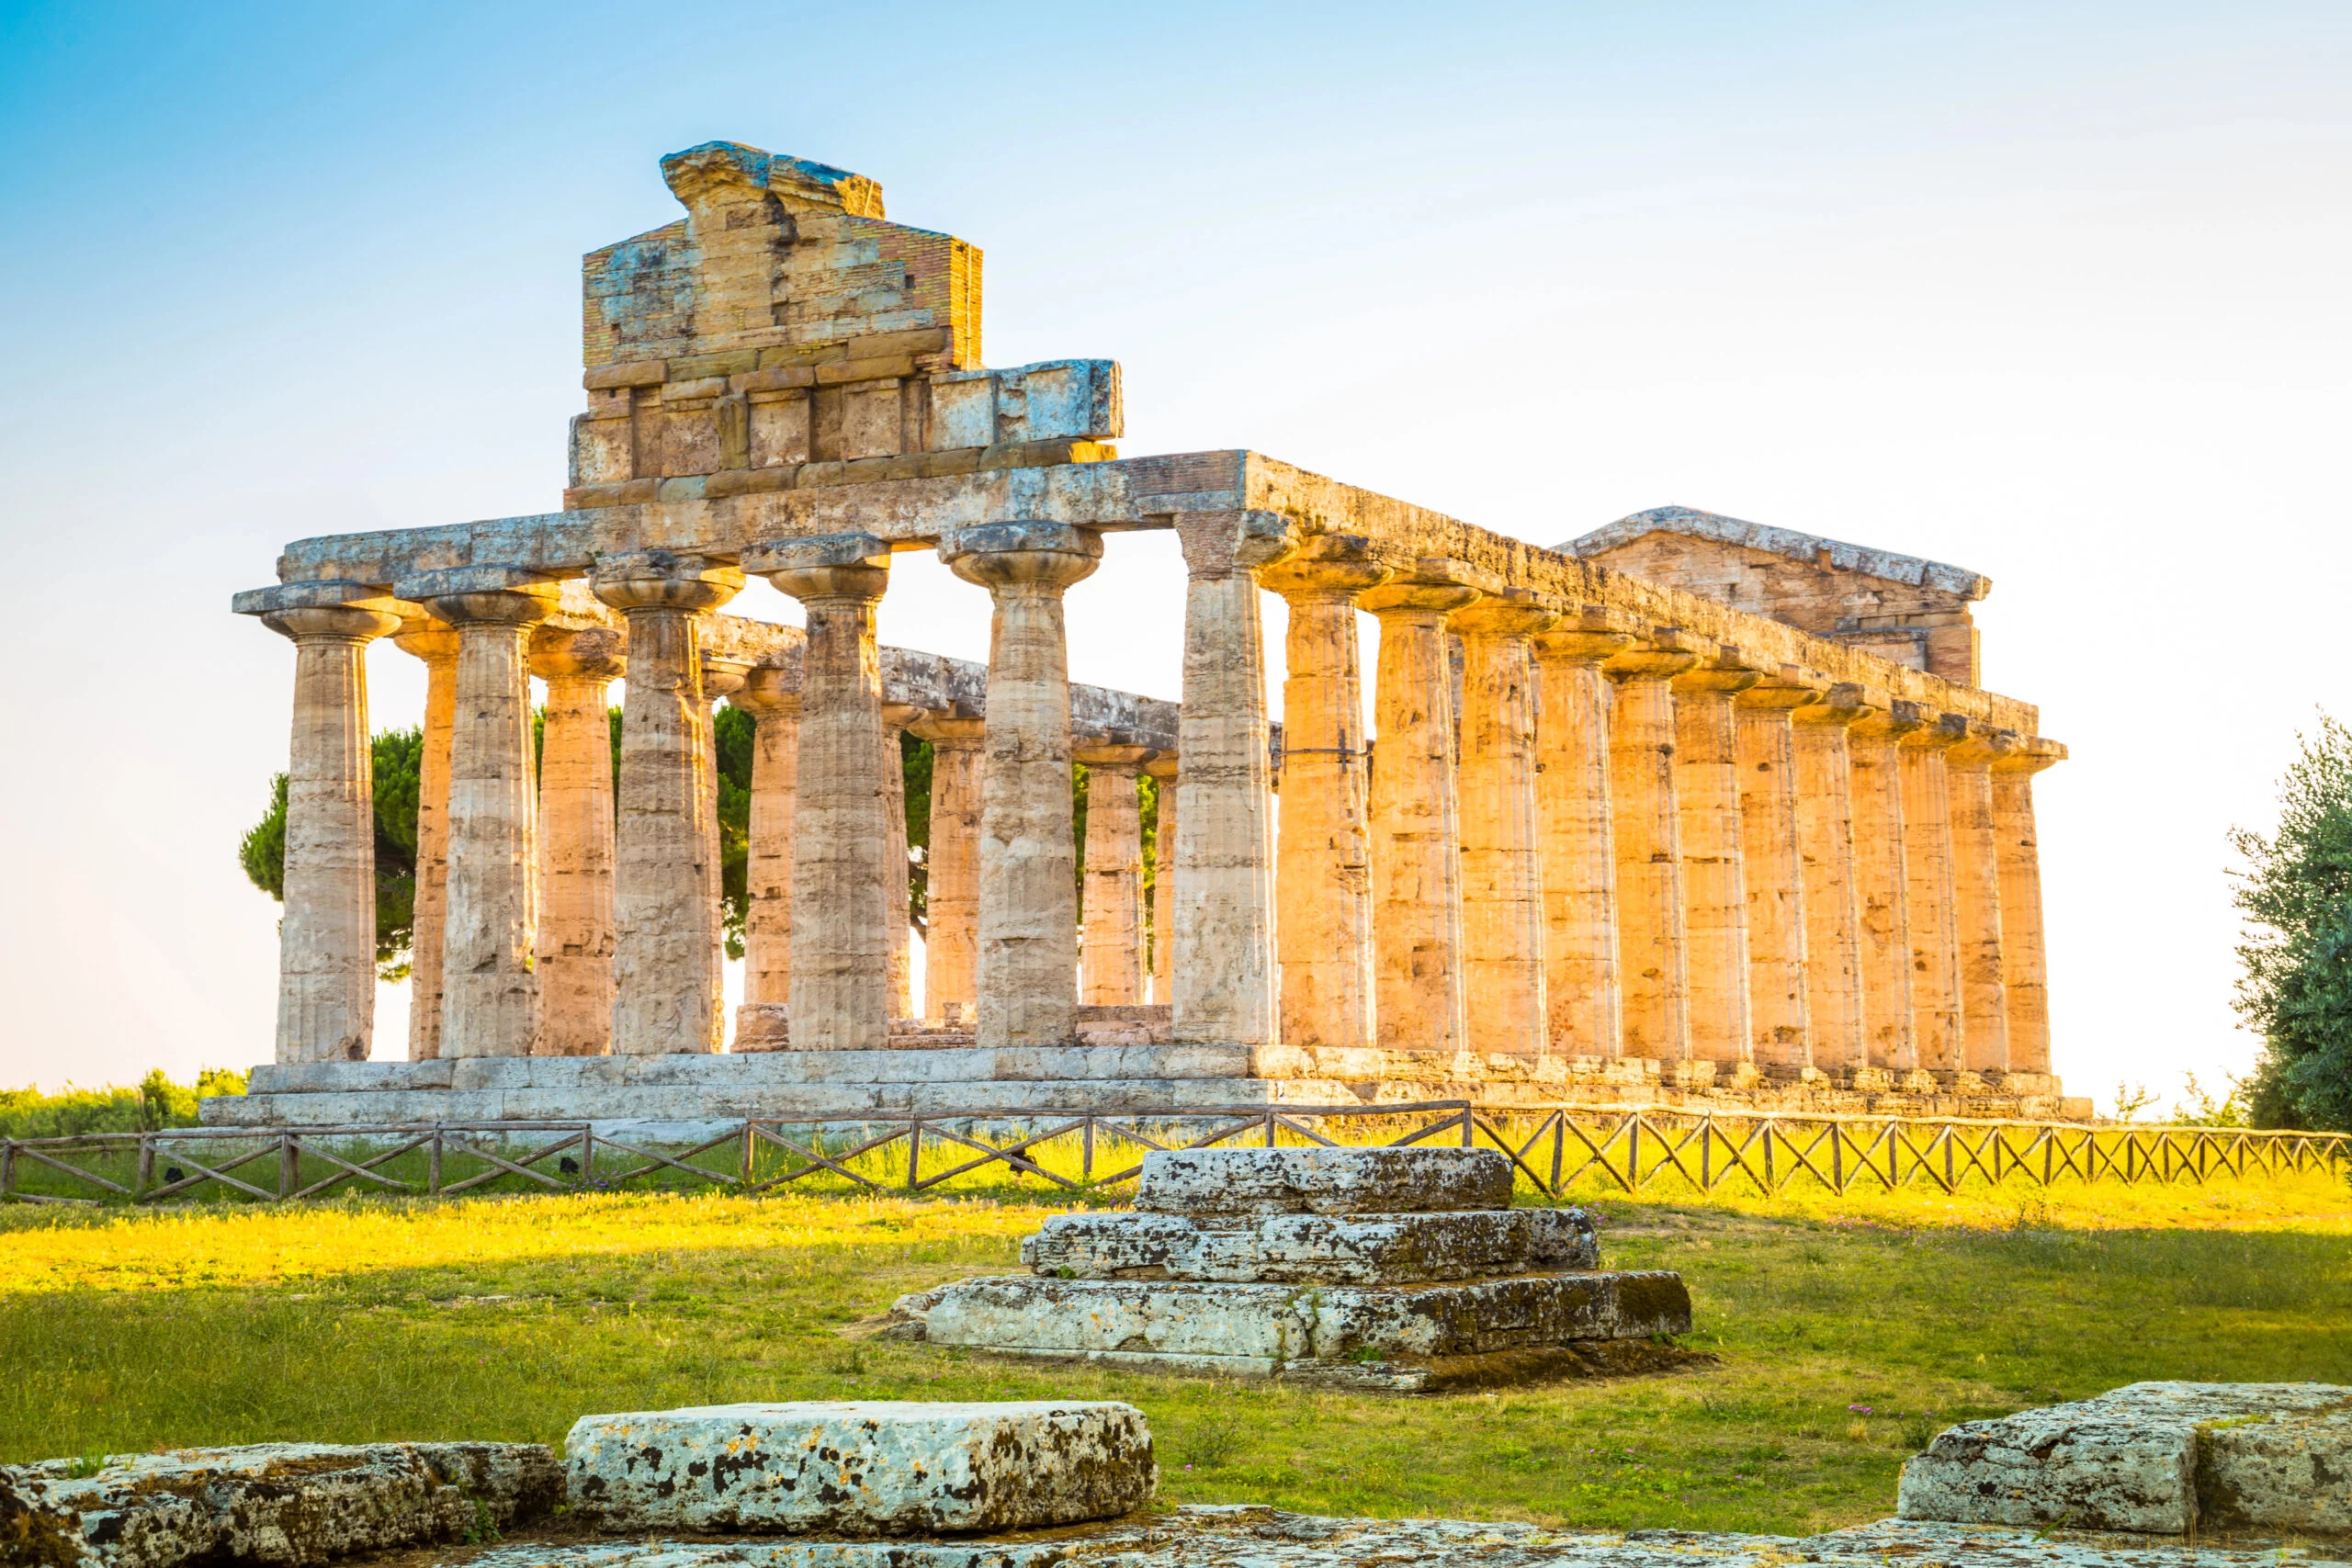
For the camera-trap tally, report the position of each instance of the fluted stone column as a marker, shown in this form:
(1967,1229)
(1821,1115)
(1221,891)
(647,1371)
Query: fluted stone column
(899,895)
(326,938)
(1419,1003)
(1028,931)
(1653,942)
(1778,1001)
(1505,1001)
(1881,887)
(1977,915)
(1714,879)
(1832,905)
(1323,856)
(952,903)
(1579,843)
(663,1001)
(841,875)
(1110,962)
(1222,960)
(576,851)
(772,696)
(721,677)
(436,646)
(490,1000)
(1936,1017)
(2025,967)
(1163,772)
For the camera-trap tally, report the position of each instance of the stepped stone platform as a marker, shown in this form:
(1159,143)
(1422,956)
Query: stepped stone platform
(1124,1058)
(1392,1270)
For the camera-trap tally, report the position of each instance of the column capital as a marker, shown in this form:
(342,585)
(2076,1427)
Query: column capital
(1725,672)
(1981,745)
(2029,755)
(1664,653)
(902,715)
(1586,634)
(1433,585)
(824,566)
(1162,766)
(950,729)
(1846,703)
(768,691)
(420,637)
(1899,719)
(335,623)
(595,653)
(1219,544)
(1328,567)
(1504,613)
(489,595)
(723,676)
(1785,687)
(1939,732)
(1006,555)
(1110,755)
(664,579)
(333,594)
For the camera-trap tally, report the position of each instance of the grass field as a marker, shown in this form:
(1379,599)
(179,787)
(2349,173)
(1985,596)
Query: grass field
(1849,1329)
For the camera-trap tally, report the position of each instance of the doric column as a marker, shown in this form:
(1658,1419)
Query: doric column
(490,998)
(1832,906)
(1502,879)
(663,1000)
(1579,870)
(576,931)
(1882,888)
(952,902)
(1779,1005)
(1163,770)
(1936,1018)
(1028,942)
(899,895)
(1222,960)
(2025,968)
(1653,944)
(1110,965)
(841,830)
(772,696)
(1323,854)
(436,645)
(1715,880)
(1419,1000)
(721,677)
(326,938)
(1977,915)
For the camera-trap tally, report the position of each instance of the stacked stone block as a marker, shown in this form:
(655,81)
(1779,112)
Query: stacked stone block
(1386,1269)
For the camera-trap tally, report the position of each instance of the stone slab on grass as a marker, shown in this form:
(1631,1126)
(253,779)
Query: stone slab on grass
(861,1468)
(2162,1458)
(1292,1323)
(1313,1249)
(270,1503)
(1205,1182)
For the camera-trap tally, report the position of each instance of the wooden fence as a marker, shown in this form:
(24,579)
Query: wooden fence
(1612,1148)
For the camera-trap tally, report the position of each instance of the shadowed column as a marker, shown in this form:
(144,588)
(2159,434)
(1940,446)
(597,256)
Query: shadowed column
(1832,905)
(1323,852)
(489,1000)
(326,938)
(1881,887)
(1715,880)
(899,895)
(1110,962)
(2025,968)
(663,999)
(1936,1018)
(841,937)
(1780,1007)
(1418,1002)
(1163,770)
(436,645)
(1507,1011)
(576,850)
(721,677)
(1653,944)
(952,903)
(1579,870)
(772,696)
(1028,929)
(1977,915)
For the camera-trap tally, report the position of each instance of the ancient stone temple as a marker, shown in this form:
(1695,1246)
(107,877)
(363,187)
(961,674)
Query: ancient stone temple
(1686,810)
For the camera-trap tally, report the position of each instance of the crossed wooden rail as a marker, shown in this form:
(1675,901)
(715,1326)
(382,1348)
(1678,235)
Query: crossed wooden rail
(1624,1148)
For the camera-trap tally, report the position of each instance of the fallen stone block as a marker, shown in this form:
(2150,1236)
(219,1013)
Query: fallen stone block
(861,1468)
(1206,1182)
(1257,1330)
(2158,1458)
(1311,1248)
(269,1503)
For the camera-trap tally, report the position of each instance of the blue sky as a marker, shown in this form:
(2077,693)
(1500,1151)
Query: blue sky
(2056,292)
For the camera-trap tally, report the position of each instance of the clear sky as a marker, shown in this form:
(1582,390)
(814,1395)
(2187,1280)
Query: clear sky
(2057,292)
